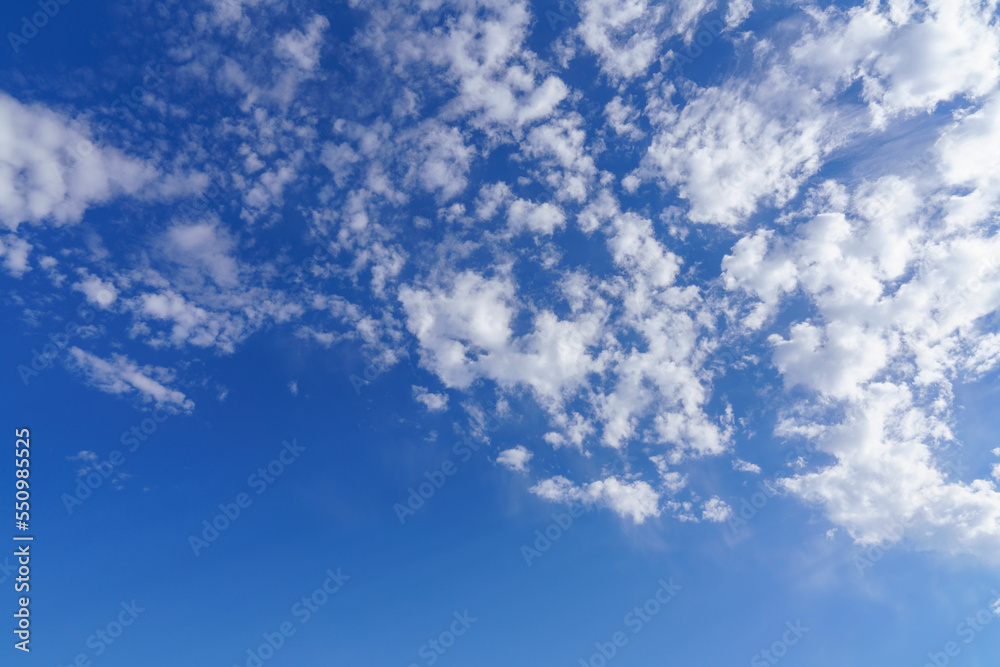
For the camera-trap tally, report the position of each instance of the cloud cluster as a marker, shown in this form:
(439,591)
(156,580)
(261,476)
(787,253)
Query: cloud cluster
(571,222)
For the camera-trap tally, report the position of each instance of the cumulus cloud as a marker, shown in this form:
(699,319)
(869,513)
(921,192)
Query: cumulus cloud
(622,118)
(455,324)
(202,250)
(897,319)
(626,35)
(433,402)
(98,292)
(542,218)
(886,474)
(728,150)
(515,459)
(50,169)
(442,161)
(909,58)
(746,466)
(636,500)
(482,212)
(14,251)
(300,47)
(715,509)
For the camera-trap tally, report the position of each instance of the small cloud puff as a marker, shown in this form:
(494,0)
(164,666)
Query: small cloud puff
(746,466)
(715,509)
(433,402)
(515,459)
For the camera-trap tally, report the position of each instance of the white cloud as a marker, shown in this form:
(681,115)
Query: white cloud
(969,152)
(624,34)
(88,459)
(737,12)
(190,323)
(671,480)
(885,473)
(464,330)
(837,361)
(731,147)
(622,118)
(300,47)
(14,251)
(478,58)
(746,466)
(635,500)
(873,296)
(575,429)
(98,292)
(51,170)
(325,338)
(203,250)
(560,146)
(909,58)
(457,323)
(515,459)
(542,218)
(715,509)
(897,303)
(442,161)
(749,268)
(634,247)
(433,402)
(121,375)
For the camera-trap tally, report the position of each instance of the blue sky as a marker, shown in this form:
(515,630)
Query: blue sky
(487,333)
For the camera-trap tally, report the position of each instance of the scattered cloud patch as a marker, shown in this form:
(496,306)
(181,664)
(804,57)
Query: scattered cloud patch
(120,375)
